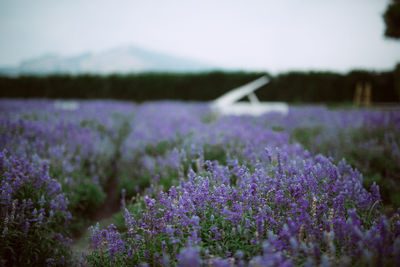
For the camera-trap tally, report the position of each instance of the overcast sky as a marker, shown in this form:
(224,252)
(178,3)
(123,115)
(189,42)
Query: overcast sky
(274,35)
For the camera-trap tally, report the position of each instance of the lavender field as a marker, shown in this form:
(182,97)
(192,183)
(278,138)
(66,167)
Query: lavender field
(175,184)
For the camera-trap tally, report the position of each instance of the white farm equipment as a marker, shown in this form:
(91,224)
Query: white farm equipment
(228,103)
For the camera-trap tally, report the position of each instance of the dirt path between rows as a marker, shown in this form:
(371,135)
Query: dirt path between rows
(112,203)
(104,213)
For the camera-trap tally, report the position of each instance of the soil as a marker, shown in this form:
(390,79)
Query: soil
(105,212)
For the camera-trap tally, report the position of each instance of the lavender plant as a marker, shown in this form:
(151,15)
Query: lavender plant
(34,214)
(369,141)
(294,212)
(78,144)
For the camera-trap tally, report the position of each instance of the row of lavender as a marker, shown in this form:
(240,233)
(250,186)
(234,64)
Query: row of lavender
(196,188)
(264,201)
(53,167)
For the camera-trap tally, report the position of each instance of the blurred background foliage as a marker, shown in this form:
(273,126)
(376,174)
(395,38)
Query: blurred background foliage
(293,87)
(392,19)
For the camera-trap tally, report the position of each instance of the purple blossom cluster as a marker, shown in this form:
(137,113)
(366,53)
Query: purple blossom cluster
(300,210)
(33,208)
(71,140)
(78,145)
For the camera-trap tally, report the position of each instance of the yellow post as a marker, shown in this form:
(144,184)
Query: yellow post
(357,95)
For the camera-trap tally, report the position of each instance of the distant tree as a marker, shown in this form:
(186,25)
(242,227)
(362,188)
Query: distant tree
(392,19)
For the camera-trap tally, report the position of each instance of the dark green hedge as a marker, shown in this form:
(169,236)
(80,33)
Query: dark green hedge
(329,87)
(290,87)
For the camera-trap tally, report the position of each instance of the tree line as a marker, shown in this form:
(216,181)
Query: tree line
(293,87)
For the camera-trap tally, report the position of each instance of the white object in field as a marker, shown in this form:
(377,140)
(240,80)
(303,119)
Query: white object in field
(228,104)
(66,105)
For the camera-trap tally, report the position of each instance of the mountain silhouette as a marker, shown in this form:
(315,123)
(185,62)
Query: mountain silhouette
(126,59)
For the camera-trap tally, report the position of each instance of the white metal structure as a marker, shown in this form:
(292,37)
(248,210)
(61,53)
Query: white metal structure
(228,104)
(66,104)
